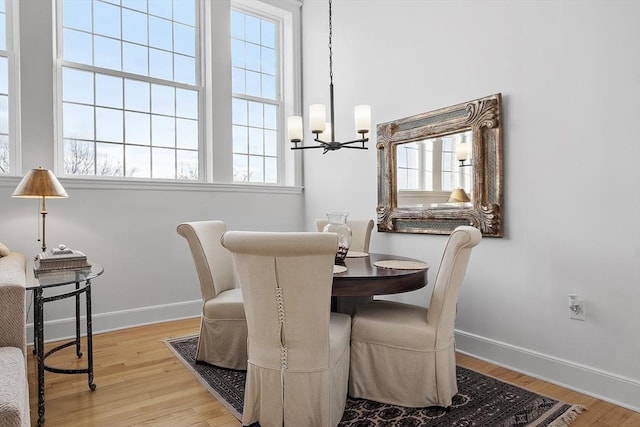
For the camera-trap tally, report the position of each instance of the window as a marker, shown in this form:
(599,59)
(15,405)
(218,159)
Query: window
(8,138)
(136,76)
(431,165)
(130,88)
(256,100)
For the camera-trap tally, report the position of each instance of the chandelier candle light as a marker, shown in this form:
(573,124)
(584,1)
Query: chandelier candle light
(325,132)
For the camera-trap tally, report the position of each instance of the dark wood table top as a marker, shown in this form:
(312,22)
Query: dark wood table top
(362,278)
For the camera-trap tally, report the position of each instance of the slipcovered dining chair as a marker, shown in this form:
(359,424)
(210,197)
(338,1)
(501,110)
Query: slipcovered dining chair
(223,326)
(360,233)
(404,354)
(298,350)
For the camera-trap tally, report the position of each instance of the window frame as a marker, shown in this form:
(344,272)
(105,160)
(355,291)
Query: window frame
(12,53)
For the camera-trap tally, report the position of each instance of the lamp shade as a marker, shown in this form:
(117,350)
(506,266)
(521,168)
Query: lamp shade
(39,183)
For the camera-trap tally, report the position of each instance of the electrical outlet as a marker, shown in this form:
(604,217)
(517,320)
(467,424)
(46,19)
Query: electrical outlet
(577,307)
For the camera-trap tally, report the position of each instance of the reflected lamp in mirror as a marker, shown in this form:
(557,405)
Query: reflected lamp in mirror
(441,169)
(40,184)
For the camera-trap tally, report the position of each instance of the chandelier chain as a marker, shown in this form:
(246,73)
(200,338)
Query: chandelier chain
(330,46)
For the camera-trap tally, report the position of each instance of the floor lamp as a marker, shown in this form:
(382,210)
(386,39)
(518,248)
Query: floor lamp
(40,183)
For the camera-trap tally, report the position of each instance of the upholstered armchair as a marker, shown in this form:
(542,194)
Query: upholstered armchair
(360,232)
(405,354)
(223,327)
(298,350)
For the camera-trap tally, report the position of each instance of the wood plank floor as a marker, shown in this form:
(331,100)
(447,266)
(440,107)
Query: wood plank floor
(140,383)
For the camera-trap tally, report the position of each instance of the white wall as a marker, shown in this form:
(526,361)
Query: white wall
(569,73)
(128,228)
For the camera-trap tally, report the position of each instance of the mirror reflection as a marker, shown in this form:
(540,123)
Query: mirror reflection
(442,169)
(435,172)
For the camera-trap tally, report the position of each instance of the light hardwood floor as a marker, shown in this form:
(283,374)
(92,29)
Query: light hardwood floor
(140,383)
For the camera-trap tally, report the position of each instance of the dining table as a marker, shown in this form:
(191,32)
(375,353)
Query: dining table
(365,275)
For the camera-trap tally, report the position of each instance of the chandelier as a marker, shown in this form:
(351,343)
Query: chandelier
(325,132)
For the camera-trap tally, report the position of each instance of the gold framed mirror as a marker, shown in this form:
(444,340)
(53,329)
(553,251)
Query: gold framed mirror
(441,169)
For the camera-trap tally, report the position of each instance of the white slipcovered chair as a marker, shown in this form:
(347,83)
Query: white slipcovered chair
(360,232)
(223,327)
(298,350)
(404,354)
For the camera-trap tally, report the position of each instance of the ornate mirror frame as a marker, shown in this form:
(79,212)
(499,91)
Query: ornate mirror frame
(483,117)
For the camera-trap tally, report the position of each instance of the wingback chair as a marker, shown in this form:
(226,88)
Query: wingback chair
(360,232)
(298,350)
(223,327)
(404,354)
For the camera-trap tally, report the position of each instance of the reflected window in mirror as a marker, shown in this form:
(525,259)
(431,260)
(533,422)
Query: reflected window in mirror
(428,171)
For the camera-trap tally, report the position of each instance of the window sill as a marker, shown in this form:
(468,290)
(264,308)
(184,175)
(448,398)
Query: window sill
(104,183)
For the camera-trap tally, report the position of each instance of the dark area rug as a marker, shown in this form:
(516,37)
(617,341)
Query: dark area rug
(481,400)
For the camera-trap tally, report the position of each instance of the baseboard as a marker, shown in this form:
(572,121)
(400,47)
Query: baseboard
(602,385)
(61,329)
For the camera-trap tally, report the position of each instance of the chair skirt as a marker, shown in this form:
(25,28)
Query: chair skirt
(223,332)
(402,377)
(314,398)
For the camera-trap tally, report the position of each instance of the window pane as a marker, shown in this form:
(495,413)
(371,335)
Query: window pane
(78,121)
(187,162)
(184,38)
(238,81)
(136,95)
(240,168)
(4,116)
(187,103)
(140,5)
(77,86)
(270,143)
(160,64)
(187,133)
(162,99)
(78,157)
(106,19)
(252,29)
(268,63)
(252,57)
(270,116)
(137,128)
(3,31)
(77,46)
(107,53)
(134,26)
(77,14)
(161,8)
(109,159)
(164,163)
(237,24)
(256,117)
(268,34)
(239,115)
(109,125)
(253,84)
(135,59)
(108,91)
(163,130)
(268,87)
(138,161)
(240,139)
(160,34)
(4,75)
(256,144)
(270,169)
(4,154)
(185,11)
(184,69)
(256,169)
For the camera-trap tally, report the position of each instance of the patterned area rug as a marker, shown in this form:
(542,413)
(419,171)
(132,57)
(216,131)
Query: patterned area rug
(481,400)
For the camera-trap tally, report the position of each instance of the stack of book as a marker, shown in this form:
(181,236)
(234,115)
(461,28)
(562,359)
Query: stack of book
(60,258)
